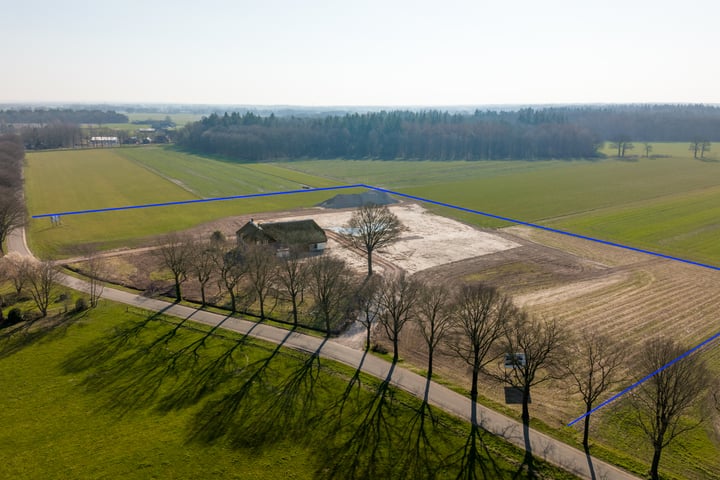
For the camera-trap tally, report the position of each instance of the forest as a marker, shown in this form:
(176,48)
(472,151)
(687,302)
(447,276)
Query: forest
(43,116)
(527,133)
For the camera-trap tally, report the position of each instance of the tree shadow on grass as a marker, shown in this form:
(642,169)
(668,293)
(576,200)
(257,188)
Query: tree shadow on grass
(474,460)
(17,337)
(419,455)
(139,363)
(366,435)
(220,418)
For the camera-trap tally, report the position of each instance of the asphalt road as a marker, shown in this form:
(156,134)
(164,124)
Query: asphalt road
(542,446)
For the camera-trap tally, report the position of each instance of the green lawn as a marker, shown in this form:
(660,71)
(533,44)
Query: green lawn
(112,393)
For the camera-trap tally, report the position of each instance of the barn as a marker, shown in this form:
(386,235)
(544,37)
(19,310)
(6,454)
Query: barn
(302,234)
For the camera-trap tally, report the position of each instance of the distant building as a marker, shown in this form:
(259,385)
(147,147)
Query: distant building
(103,141)
(303,234)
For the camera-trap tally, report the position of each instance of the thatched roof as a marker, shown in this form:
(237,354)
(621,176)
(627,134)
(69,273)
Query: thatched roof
(287,233)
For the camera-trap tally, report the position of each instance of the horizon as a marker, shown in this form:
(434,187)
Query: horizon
(374,54)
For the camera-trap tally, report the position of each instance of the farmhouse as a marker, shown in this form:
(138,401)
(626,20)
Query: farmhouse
(304,234)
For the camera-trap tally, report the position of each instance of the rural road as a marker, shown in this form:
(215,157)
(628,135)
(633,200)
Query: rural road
(549,449)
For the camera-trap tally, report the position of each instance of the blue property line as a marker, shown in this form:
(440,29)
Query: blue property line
(455,207)
(201,200)
(639,382)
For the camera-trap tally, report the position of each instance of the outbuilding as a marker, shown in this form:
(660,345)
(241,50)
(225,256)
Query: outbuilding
(305,235)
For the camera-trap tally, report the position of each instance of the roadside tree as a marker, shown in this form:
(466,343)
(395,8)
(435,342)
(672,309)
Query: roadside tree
(176,253)
(662,401)
(593,366)
(292,277)
(261,266)
(435,317)
(331,282)
(398,301)
(42,278)
(202,266)
(367,301)
(480,318)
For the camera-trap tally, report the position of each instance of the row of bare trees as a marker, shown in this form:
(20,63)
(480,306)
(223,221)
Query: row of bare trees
(12,207)
(483,328)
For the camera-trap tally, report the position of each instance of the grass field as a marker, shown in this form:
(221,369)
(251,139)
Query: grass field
(61,181)
(670,204)
(115,394)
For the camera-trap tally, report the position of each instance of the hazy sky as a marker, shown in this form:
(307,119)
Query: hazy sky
(366,52)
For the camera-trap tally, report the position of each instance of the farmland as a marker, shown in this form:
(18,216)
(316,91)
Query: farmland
(668,203)
(62,181)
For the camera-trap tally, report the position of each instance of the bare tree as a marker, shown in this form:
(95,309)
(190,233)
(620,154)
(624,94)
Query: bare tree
(662,401)
(367,302)
(704,148)
(593,365)
(622,143)
(41,279)
(535,349)
(12,214)
(331,283)
(648,148)
(434,318)
(176,254)
(292,276)
(695,144)
(94,272)
(373,227)
(202,266)
(230,264)
(398,299)
(261,266)
(18,270)
(481,313)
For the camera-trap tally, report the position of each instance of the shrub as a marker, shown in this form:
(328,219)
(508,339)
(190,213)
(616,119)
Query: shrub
(14,316)
(81,304)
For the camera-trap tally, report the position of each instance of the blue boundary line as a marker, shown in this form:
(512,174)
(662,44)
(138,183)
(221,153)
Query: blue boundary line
(200,200)
(455,207)
(646,378)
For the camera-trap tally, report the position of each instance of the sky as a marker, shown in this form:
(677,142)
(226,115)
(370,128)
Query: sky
(360,53)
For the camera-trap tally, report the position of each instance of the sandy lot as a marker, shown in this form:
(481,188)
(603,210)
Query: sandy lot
(427,241)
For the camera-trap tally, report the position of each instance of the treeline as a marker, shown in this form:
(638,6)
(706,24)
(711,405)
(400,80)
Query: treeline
(390,135)
(12,207)
(559,132)
(48,116)
(648,123)
(54,135)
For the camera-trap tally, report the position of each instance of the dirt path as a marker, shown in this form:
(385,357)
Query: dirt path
(549,449)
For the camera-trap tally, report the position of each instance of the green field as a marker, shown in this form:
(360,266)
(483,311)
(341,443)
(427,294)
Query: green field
(670,203)
(115,394)
(63,181)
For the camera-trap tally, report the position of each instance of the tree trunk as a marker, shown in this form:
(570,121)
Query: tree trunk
(202,293)
(294,310)
(367,338)
(178,293)
(655,463)
(586,431)
(369,252)
(395,350)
